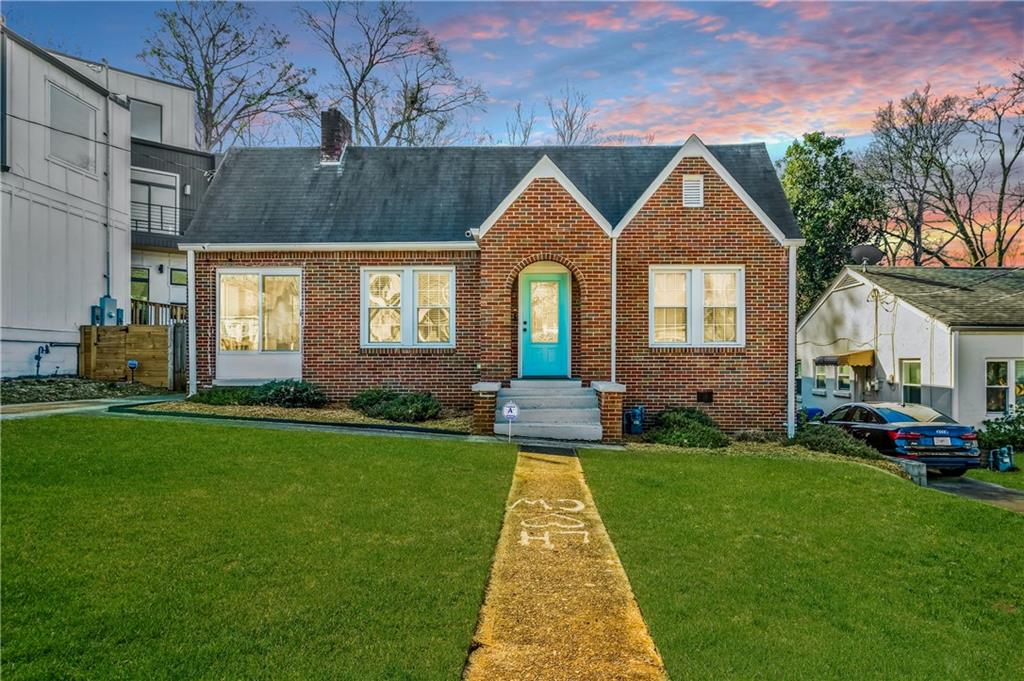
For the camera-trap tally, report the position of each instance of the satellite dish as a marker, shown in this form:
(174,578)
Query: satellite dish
(866,254)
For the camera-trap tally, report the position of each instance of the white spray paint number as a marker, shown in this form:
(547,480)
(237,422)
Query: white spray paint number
(548,521)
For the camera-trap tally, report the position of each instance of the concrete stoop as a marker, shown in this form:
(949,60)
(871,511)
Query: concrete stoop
(556,409)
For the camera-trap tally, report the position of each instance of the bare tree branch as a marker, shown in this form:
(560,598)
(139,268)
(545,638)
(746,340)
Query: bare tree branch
(397,83)
(234,64)
(519,126)
(572,118)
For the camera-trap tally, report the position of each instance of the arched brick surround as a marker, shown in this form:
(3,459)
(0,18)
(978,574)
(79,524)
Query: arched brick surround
(545,224)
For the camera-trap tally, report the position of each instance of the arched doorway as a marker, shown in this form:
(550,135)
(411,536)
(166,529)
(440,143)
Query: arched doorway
(545,320)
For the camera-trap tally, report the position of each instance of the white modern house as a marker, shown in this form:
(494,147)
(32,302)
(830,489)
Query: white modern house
(169,176)
(101,176)
(65,231)
(949,338)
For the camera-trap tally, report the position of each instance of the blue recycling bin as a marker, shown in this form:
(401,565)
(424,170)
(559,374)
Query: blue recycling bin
(633,420)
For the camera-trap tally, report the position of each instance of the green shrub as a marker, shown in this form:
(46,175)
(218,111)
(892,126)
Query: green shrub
(833,440)
(290,394)
(1002,431)
(687,427)
(683,416)
(757,435)
(693,434)
(273,394)
(406,408)
(371,398)
(221,396)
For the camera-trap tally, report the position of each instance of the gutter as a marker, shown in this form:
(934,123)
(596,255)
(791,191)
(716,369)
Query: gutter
(332,246)
(191,298)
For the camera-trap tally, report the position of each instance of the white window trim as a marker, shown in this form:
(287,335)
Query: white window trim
(903,382)
(695,304)
(408,306)
(815,390)
(700,182)
(92,171)
(260,271)
(844,393)
(1011,383)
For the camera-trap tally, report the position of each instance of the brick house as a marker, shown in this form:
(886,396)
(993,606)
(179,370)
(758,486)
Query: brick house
(573,280)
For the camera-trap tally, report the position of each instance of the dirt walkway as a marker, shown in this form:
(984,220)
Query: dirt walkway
(559,605)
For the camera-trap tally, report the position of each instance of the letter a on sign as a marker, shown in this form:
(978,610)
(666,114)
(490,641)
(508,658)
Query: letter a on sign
(510,410)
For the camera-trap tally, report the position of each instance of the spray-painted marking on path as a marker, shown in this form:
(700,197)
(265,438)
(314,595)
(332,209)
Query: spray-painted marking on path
(558,605)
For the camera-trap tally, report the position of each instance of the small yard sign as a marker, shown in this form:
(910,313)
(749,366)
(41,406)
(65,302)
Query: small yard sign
(510,410)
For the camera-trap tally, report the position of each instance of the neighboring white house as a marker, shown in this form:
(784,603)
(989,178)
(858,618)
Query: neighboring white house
(949,338)
(101,176)
(169,177)
(64,220)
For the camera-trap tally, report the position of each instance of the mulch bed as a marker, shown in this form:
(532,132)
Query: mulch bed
(450,422)
(63,388)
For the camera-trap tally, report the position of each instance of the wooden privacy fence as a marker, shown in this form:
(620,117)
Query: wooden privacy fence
(105,350)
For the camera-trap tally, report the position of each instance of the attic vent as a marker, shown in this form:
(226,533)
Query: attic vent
(693,191)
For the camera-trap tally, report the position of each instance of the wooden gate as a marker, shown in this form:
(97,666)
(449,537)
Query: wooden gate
(105,351)
(179,357)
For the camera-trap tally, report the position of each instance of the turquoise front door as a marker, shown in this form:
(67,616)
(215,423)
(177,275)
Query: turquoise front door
(544,324)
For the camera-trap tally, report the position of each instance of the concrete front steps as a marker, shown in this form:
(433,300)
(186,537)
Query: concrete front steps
(555,409)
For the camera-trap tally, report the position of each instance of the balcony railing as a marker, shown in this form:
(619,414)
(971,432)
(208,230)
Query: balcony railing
(145,312)
(152,217)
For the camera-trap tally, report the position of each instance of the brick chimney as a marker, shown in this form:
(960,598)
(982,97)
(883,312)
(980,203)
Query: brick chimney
(335,135)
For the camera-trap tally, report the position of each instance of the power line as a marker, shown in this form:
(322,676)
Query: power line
(111,145)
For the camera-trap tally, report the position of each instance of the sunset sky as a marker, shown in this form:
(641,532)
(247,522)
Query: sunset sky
(727,71)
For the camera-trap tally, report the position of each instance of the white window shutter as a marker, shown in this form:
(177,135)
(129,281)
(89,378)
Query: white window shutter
(693,191)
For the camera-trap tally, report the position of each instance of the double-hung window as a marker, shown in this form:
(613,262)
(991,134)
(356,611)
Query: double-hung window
(844,380)
(408,307)
(910,377)
(258,311)
(1004,385)
(820,378)
(695,306)
(72,129)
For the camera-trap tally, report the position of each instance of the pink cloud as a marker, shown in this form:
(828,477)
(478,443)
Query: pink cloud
(470,27)
(639,45)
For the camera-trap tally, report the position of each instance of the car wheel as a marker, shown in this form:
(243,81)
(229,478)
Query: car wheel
(953,472)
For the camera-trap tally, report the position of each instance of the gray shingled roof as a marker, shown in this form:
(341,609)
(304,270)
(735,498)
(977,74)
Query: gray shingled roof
(386,194)
(957,296)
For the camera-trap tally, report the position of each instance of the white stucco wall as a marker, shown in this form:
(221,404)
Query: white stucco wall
(974,349)
(52,215)
(847,320)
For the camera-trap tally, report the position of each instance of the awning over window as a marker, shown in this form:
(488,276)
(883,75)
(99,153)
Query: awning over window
(860,358)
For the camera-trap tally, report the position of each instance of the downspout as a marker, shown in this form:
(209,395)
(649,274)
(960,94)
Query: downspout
(3,102)
(191,322)
(615,242)
(791,347)
(110,237)
(954,361)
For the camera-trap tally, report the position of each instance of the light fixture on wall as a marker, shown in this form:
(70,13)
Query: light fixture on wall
(187,190)
(160,269)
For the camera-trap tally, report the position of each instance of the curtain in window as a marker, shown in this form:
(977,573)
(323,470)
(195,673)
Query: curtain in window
(670,307)
(384,296)
(280,312)
(433,307)
(719,307)
(239,311)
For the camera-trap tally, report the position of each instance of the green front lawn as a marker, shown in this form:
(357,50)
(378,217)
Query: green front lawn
(146,549)
(785,568)
(1014,479)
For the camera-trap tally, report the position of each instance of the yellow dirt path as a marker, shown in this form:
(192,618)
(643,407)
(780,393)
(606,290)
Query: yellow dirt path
(558,605)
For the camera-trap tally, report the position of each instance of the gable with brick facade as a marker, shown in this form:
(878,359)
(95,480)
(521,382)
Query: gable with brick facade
(459,270)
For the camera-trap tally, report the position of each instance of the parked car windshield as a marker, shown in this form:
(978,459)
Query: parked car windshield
(912,412)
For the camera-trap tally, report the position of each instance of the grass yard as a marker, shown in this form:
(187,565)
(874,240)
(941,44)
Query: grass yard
(1014,479)
(785,568)
(145,549)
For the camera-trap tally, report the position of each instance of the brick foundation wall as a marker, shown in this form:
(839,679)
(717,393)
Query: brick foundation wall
(749,383)
(484,406)
(331,356)
(545,224)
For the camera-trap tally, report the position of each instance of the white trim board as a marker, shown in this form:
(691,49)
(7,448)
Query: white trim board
(694,148)
(333,246)
(544,168)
